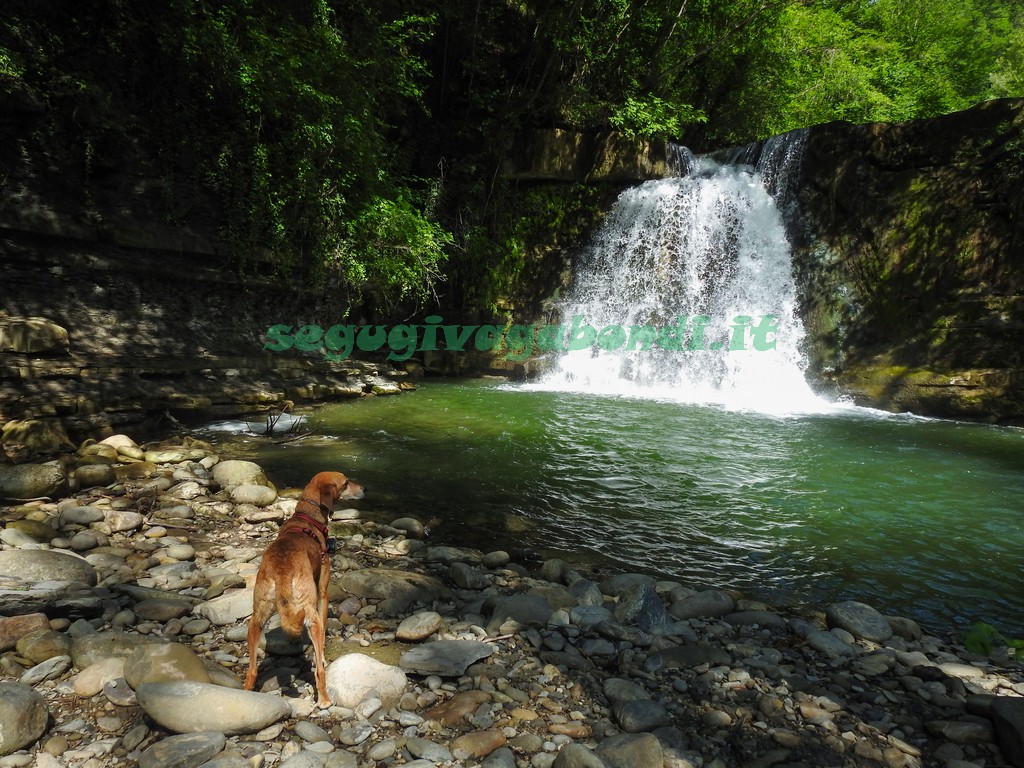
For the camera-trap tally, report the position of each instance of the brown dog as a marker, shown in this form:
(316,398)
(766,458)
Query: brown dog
(294,575)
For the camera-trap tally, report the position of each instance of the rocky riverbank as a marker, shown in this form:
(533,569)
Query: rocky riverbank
(123,642)
(160,335)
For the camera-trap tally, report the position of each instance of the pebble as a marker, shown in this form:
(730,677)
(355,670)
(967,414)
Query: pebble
(419,626)
(185,749)
(311,732)
(477,659)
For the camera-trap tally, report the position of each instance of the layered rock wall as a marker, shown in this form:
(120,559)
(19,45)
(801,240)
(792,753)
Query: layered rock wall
(910,255)
(96,336)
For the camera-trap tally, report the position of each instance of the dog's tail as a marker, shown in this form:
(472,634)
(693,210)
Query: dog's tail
(291,609)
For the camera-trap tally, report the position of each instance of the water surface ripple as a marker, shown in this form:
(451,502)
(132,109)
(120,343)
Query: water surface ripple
(919,517)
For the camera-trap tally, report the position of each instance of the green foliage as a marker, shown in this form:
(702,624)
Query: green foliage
(394,251)
(983,638)
(1007,76)
(501,262)
(365,143)
(654,117)
(892,60)
(280,113)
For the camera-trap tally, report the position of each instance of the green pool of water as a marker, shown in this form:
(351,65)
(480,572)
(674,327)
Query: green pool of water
(921,518)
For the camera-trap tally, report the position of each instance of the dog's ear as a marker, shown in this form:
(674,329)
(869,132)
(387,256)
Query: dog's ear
(330,491)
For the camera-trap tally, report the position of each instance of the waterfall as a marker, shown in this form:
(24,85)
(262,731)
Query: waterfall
(696,272)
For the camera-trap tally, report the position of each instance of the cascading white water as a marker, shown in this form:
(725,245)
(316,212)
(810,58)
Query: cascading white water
(706,248)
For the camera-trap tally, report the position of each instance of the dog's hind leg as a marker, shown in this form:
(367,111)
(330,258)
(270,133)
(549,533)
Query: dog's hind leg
(317,624)
(263,607)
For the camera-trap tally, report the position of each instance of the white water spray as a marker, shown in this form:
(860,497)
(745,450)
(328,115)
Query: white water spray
(709,243)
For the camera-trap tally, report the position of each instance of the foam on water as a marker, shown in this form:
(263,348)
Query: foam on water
(710,243)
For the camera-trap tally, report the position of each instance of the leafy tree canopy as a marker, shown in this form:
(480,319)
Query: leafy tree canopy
(364,142)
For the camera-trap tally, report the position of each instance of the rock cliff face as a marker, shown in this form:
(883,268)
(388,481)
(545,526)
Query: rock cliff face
(95,335)
(592,158)
(910,253)
(118,303)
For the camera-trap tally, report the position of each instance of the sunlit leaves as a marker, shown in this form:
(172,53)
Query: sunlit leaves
(393,250)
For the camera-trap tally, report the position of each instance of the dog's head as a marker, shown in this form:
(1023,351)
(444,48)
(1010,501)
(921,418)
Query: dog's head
(331,486)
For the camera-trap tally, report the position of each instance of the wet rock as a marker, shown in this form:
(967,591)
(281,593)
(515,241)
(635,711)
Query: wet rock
(711,603)
(860,620)
(641,605)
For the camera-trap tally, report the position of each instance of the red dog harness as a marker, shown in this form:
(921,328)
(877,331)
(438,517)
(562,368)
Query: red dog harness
(316,525)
